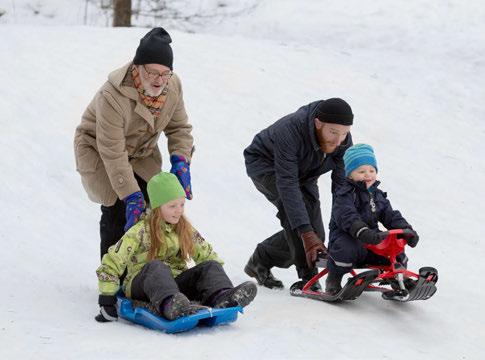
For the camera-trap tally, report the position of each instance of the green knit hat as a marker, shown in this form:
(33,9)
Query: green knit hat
(162,188)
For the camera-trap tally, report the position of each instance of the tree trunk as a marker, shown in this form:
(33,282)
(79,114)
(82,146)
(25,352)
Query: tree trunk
(122,13)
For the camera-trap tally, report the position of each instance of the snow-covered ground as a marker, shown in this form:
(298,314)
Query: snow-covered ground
(413,73)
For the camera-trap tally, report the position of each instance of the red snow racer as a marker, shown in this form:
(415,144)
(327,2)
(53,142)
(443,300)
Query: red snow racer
(394,281)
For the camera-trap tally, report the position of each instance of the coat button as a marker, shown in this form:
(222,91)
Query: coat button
(120,180)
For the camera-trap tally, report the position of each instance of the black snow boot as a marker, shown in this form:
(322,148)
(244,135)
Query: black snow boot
(306,275)
(333,284)
(177,306)
(262,274)
(315,286)
(241,295)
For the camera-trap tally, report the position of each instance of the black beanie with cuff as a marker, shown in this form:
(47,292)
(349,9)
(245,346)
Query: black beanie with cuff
(335,111)
(155,48)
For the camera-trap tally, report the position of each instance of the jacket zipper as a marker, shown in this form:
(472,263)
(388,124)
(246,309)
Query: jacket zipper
(373,208)
(323,159)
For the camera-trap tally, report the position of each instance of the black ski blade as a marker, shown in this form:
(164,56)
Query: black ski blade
(352,289)
(423,289)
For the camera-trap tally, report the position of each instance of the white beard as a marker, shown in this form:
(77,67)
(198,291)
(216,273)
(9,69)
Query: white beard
(152,94)
(148,90)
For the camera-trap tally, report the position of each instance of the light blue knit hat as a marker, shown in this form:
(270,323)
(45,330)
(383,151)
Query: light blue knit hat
(358,155)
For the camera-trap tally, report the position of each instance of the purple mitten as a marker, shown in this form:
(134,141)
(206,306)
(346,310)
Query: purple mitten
(181,169)
(135,205)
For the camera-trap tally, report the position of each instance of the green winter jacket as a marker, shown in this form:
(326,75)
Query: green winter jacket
(131,253)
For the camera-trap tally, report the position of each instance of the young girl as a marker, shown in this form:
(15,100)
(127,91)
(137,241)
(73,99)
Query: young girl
(157,254)
(357,208)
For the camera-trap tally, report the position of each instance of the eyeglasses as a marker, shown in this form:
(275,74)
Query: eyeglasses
(152,75)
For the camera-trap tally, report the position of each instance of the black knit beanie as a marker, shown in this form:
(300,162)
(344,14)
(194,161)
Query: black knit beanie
(155,48)
(335,111)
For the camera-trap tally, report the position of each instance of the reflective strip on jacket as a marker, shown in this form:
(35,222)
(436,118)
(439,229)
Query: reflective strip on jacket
(354,202)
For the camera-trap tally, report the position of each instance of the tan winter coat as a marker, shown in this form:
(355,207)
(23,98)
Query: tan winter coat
(118,136)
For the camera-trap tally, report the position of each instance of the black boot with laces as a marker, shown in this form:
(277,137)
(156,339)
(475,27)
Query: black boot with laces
(262,275)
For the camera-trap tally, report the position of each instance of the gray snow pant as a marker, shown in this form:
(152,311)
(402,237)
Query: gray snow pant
(285,248)
(155,282)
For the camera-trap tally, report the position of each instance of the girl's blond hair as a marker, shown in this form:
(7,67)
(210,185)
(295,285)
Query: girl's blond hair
(183,229)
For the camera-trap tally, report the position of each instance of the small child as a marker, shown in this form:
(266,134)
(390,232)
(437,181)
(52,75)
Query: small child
(157,254)
(358,206)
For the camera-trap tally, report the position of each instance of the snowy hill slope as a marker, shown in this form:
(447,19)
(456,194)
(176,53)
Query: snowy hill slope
(419,105)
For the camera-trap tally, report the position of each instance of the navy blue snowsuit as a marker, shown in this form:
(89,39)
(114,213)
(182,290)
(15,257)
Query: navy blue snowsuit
(354,202)
(285,161)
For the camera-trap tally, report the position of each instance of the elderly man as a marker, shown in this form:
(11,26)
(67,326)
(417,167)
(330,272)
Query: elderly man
(116,143)
(284,162)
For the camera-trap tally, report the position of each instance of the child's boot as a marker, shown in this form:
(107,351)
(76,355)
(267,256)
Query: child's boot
(241,295)
(177,306)
(333,283)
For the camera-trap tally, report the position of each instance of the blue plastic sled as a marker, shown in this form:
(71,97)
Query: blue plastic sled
(205,317)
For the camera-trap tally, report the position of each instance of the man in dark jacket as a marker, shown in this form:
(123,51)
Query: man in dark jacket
(285,161)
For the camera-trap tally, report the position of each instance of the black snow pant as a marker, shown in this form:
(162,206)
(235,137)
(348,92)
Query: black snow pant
(285,248)
(113,220)
(346,253)
(155,282)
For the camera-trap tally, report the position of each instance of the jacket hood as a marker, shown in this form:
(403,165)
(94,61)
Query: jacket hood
(116,78)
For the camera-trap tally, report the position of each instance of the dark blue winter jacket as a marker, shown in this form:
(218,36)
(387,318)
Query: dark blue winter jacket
(289,149)
(354,202)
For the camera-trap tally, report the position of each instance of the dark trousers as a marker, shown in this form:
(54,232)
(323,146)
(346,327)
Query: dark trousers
(346,253)
(113,220)
(155,282)
(285,248)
